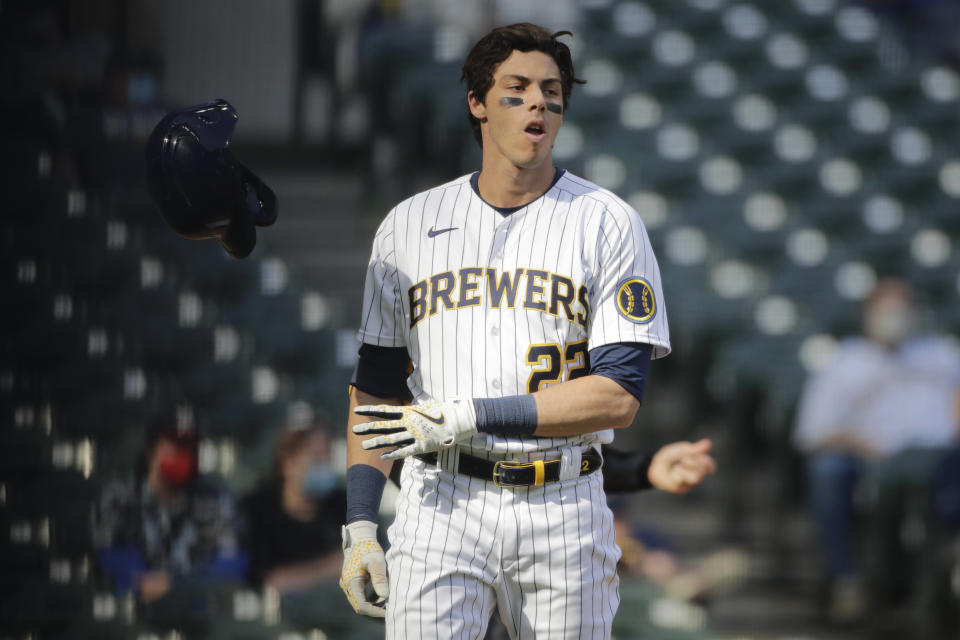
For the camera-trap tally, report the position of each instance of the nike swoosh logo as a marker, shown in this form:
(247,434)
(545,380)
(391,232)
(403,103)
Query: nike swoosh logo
(433,234)
(438,421)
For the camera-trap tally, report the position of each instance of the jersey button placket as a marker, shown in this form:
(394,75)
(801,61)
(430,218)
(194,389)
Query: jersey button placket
(500,240)
(492,356)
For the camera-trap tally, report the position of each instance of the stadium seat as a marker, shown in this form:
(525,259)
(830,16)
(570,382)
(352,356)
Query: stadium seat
(217,383)
(173,349)
(25,453)
(105,409)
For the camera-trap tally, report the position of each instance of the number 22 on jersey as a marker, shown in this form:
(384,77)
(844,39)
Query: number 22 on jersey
(549,363)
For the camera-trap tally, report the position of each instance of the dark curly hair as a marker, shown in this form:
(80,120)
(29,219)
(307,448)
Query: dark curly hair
(496,46)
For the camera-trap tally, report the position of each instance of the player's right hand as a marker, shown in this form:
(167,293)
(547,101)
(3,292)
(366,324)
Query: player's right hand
(418,428)
(363,561)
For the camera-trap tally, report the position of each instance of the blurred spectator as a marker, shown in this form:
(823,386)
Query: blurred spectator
(168,525)
(295,535)
(876,419)
(295,543)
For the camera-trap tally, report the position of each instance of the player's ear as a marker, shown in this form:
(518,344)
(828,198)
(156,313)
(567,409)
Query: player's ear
(477,108)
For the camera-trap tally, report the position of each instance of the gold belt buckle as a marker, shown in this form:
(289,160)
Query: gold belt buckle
(538,472)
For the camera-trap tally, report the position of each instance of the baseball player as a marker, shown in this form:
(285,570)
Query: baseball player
(509,319)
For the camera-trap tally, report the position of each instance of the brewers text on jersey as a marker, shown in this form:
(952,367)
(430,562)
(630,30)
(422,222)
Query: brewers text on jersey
(543,291)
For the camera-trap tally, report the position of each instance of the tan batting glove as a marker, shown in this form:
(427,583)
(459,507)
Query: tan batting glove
(363,561)
(418,428)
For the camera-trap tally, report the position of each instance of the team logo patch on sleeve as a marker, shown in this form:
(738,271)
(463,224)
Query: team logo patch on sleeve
(635,300)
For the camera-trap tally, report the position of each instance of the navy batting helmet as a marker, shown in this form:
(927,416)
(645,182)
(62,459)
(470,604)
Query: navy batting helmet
(202,191)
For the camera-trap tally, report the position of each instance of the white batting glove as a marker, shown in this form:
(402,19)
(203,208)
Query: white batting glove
(363,561)
(419,428)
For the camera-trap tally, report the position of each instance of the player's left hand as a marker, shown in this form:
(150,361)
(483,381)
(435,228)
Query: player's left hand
(363,562)
(680,466)
(419,428)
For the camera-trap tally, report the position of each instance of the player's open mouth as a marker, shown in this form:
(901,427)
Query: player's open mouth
(535,131)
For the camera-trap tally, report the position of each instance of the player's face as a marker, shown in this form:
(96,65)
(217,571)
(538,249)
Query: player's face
(523,109)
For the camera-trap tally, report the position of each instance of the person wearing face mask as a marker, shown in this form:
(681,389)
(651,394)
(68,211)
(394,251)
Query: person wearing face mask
(295,546)
(875,420)
(169,526)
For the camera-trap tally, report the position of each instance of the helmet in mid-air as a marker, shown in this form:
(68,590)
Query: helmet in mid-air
(201,190)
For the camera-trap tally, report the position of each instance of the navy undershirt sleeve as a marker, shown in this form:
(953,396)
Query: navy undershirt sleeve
(626,363)
(382,371)
(625,471)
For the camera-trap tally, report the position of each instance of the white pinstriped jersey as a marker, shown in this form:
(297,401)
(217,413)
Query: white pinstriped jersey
(490,305)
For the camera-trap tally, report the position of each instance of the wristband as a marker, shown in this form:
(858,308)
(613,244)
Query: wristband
(364,490)
(514,416)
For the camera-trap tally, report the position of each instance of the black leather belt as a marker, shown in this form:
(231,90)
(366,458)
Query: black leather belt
(509,473)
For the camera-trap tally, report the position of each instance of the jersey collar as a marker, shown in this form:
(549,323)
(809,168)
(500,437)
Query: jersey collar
(506,211)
